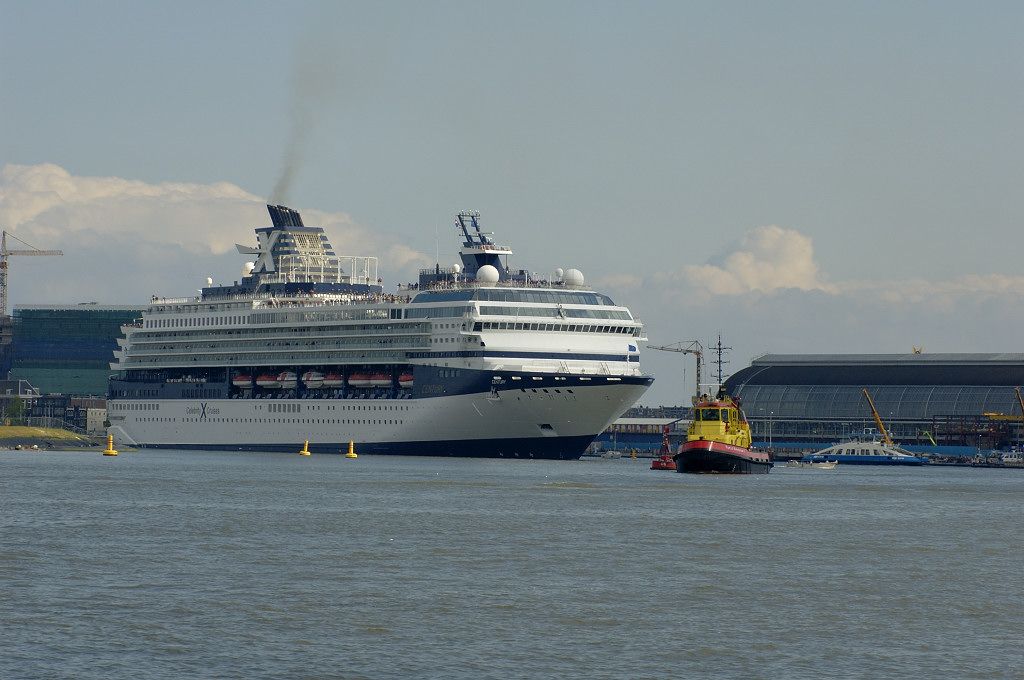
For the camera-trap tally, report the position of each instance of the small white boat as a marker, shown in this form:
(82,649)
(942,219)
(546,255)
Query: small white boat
(1013,459)
(820,465)
(287,380)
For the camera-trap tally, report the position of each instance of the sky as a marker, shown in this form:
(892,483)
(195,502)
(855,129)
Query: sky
(797,176)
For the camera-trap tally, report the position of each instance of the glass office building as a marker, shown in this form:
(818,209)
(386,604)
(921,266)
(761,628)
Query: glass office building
(67,349)
(806,400)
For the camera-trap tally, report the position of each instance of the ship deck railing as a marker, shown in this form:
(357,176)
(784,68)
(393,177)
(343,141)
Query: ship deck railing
(298,300)
(470,284)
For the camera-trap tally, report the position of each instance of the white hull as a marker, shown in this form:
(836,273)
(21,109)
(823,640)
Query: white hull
(283,424)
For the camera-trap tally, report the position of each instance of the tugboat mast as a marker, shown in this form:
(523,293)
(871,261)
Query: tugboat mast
(720,361)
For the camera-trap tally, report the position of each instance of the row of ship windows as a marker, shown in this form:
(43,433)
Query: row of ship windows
(305,421)
(257,357)
(357,330)
(555,312)
(562,327)
(196,322)
(296,408)
(188,345)
(280,408)
(354,314)
(310,421)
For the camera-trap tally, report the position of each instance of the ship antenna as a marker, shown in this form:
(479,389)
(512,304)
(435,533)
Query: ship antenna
(720,361)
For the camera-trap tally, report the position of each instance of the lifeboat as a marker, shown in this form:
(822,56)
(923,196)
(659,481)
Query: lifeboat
(288,380)
(405,380)
(333,380)
(313,379)
(242,381)
(380,380)
(359,380)
(268,381)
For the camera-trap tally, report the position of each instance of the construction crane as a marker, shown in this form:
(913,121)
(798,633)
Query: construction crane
(886,439)
(692,347)
(4,253)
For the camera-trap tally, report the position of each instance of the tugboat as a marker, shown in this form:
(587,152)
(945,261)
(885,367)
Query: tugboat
(719,440)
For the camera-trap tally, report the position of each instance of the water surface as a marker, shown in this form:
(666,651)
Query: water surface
(164,564)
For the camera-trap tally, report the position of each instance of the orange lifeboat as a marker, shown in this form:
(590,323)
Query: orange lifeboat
(359,380)
(288,380)
(268,381)
(405,380)
(380,380)
(242,381)
(333,380)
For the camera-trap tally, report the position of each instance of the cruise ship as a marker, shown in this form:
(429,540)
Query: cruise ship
(472,360)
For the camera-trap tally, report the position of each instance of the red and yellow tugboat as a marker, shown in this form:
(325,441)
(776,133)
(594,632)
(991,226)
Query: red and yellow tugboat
(719,440)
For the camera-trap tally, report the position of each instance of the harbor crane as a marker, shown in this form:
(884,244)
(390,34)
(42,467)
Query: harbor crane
(886,439)
(686,347)
(5,253)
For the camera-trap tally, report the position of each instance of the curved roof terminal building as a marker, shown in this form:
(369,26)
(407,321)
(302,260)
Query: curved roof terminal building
(946,400)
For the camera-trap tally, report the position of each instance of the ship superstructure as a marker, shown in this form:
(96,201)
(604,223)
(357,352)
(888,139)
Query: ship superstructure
(473,360)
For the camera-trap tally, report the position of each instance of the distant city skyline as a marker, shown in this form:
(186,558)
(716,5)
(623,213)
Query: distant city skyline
(799,177)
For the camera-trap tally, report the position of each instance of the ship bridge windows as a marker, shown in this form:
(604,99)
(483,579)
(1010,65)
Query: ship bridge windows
(555,312)
(710,414)
(633,331)
(436,312)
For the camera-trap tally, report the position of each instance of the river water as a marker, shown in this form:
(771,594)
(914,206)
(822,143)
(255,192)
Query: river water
(164,564)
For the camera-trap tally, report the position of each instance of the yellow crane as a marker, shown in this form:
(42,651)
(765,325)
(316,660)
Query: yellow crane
(993,415)
(5,253)
(692,347)
(886,439)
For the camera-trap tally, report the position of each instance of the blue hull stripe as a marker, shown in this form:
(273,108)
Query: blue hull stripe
(549,448)
(520,355)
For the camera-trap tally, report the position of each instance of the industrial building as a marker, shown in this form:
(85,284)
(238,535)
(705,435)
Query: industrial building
(65,349)
(953,402)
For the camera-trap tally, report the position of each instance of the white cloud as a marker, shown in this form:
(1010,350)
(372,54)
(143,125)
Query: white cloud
(145,238)
(766,259)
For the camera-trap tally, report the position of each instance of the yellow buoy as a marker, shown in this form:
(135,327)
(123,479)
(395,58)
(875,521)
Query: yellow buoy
(110,450)
(305,449)
(351,450)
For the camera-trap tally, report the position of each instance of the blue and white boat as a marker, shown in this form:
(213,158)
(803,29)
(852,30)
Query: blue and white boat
(865,453)
(472,360)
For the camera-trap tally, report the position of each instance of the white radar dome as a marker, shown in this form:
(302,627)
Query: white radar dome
(559,274)
(487,274)
(247,268)
(573,277)
(457,268)
(209,280)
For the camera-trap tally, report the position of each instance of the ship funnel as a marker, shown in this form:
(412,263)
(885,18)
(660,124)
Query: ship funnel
(283,216)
